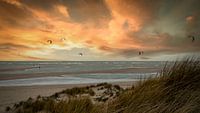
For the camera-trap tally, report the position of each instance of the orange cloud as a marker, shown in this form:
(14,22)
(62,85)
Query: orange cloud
(104,26)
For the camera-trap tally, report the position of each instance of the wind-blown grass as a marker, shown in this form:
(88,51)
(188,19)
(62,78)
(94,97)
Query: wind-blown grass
(175,90)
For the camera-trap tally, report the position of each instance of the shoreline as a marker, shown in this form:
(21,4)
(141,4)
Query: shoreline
(57,74)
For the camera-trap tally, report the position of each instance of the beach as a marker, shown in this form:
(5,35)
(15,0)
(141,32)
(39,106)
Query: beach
(13,94)
(21,80)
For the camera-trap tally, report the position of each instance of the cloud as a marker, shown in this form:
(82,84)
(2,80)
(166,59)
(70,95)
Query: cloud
(141,12)
(13,15)
(193,24)
(13,46)
(190,19)
(105,27)
(93,12)
(9,51)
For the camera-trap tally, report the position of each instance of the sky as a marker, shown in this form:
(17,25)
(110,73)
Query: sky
(100,30)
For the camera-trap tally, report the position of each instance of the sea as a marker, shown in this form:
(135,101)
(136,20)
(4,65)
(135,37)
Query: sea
(29,73)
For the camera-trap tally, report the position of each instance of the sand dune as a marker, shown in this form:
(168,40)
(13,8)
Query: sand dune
(13,94)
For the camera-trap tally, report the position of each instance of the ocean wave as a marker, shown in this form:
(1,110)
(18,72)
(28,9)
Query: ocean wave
(58,81)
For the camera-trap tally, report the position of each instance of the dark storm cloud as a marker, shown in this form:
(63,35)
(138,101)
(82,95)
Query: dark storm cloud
(49,7)
(178,11)
(116,27)
(46,5)
(157,45)
(166,16)
(87,10)
(14,16)
(193,25)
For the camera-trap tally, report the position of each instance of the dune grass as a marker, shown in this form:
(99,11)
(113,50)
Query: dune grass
(175,90)
(79,105)
(75,91)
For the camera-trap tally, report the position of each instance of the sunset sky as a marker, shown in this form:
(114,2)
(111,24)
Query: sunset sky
(99,29)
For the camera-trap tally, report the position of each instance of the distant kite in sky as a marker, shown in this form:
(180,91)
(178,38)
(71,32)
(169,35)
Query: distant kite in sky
(192,37)
(141,52)
(49,41)
(80,54)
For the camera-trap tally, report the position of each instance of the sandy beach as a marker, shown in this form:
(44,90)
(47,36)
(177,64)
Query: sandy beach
(21,80)
(13,94)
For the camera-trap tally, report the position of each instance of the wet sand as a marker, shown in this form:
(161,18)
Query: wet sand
(13,94)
